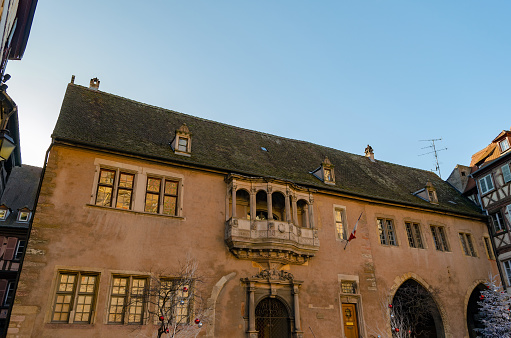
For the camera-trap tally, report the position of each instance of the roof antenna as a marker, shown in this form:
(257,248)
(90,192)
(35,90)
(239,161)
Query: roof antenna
(435,151)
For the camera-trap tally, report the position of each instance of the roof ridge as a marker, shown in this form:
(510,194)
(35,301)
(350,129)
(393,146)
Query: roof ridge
(237,127)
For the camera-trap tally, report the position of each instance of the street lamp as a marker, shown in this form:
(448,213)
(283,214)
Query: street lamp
(6,145)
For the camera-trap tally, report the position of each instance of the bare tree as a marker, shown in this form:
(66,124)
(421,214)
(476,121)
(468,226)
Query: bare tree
(174,301)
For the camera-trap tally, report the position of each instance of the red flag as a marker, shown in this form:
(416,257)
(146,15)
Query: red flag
(352,235)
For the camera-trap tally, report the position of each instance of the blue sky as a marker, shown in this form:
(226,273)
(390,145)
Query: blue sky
(342,74)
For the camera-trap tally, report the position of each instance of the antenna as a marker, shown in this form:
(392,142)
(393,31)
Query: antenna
(435,151)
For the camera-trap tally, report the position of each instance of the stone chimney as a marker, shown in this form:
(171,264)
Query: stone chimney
(369,153)
(94,83)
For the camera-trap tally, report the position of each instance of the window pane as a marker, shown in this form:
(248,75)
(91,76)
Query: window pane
(153,184)
(151,202)
(487,244)
(390,232)
(464,244)
(124,199)
(506,173)
(104,197)
(182,144)
(470,245)
(435,238)
(409,233)
(169,205)
(126,181)
(171,187)
(381,230)
(443,238)
(107,177)
(348,287)
(418,237)
(489,182)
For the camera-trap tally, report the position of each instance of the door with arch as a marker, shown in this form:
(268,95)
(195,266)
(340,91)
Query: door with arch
(272,319)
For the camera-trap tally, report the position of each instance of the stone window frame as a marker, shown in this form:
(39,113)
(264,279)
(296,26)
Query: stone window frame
(115,186)
(339,236)
(162,194)
(489,247)
(53,295)
(440,238)
(486,179)
(127,299)
(414,235)
(387,235)
(182,134)
(467,244)
(351,298)
(139,185)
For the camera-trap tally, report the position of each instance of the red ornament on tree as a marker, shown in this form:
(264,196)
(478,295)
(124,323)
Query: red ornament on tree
(185,289)
(167,331)
(161,318)
(481,297)
(390,305)
(397,330)
(197,320)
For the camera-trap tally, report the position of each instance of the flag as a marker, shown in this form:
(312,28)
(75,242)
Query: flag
(352,235)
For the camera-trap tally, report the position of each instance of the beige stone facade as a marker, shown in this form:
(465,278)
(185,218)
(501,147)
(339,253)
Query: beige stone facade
(281,241)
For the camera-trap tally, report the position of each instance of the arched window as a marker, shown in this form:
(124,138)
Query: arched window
(242,204)
(303,213)
(278,202)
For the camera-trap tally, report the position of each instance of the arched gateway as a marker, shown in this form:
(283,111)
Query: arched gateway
(414,310)
(272,319)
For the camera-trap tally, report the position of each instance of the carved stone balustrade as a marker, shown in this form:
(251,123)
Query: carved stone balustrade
(271,240)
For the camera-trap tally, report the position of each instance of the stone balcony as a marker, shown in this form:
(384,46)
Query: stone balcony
(271,241)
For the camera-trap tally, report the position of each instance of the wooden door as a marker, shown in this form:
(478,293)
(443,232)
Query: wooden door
(349,318)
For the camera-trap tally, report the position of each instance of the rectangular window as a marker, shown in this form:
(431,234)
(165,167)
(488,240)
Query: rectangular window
(112,183)
(489,249)
(467,245)
(127,300)
(175,299)
(340,224)
(386,231)
(439,238)
(413,232)
(3,214)
(506,173)
(20,247)
(9,294)
(486,184)
(349,287)
(161,196)
(504,145)
(24,216)
(507,268)
(498,222)
(74,290)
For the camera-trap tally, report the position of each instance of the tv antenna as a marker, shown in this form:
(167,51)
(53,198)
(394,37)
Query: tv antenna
(435,151)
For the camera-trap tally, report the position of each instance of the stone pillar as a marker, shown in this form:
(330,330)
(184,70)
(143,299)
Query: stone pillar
(269,202)
(295,210)
(252,333)
(296,304)
(252,204)
(311,212)
(288,208)
(233,192)
(307,220)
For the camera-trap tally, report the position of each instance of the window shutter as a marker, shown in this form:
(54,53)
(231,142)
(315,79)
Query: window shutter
(11,247)
(509,213)
(3,287)
(507,173)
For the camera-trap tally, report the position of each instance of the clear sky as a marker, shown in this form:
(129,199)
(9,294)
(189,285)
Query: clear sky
(342,74)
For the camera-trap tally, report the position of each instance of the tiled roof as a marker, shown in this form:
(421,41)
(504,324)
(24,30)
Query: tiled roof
(98,119)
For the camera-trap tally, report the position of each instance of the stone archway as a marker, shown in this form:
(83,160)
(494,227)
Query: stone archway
(414,310)
(272,319)
(473,309)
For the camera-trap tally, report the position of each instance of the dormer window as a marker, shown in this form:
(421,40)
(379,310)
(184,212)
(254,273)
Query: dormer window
(504,145)
(24,215)
(182,143)
(431,193)
(325,172)
(4,212)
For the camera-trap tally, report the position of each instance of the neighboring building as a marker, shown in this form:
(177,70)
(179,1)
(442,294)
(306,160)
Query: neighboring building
(491,173)
(130,190)
(16,208)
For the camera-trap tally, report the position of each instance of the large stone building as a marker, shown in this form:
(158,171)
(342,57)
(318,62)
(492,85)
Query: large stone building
(130,190)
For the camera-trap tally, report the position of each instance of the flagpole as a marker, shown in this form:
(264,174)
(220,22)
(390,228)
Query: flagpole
(352,235)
